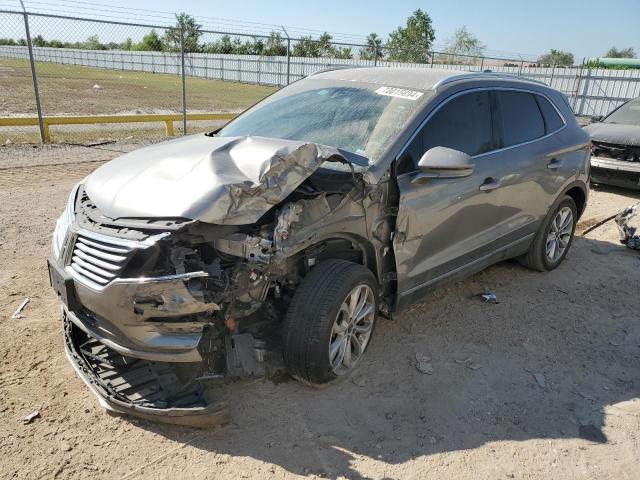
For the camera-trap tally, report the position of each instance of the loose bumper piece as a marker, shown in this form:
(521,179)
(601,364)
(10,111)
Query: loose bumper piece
(151,390)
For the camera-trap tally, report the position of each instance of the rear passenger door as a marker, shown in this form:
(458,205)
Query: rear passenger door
(530,156)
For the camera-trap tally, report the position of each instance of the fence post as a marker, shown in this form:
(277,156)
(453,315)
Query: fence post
(34,78)
(578,80)
(288,54)
(184,85)
(585,92)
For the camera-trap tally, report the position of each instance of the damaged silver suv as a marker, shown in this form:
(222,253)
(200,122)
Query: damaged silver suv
(275,243)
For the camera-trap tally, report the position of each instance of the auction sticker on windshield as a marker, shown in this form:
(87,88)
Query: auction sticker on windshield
(399,92)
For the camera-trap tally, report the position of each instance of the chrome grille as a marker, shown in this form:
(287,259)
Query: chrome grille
(98,261)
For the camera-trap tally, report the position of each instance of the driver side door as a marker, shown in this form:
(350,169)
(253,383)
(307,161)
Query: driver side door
(446,226)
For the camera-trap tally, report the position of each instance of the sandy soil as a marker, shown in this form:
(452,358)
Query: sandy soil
(481,413)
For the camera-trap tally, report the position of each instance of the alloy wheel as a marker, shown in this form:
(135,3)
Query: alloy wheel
(559,234)
(351,329)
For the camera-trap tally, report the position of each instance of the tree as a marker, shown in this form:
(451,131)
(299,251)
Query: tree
(556,57)
(372,49)
(306,47)
(191,30)
(93,43)
(151,42)
(275,45)
(39,41)
(412,43)
(342,52)
(127,44)
(325,49)
(464,42)
(223,46)
(613,52)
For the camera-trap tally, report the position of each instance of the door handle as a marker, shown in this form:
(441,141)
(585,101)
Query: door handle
(554,163)
(489,184)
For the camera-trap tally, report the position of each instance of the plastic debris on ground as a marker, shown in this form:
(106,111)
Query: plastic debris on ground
(18,312)
(423,364)
(488,297)
(31,417)
(470,364)
(628,233)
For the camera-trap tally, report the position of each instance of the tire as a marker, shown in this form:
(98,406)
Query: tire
(537,258)
(317,314)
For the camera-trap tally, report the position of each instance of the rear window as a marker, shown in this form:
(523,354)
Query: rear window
(520,116)
(552,120)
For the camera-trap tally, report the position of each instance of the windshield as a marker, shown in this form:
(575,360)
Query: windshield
(358,117)
(628,114)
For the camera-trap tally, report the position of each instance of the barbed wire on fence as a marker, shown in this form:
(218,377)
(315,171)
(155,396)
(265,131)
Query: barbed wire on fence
(89,66)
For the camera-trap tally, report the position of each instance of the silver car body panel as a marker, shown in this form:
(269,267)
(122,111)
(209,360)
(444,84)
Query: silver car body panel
(448,227)
(615,133)
(220,180)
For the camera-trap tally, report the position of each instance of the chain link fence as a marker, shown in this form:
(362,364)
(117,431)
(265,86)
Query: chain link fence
(109,76)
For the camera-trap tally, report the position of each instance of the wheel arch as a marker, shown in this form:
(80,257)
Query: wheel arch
(579,193)
(344,242)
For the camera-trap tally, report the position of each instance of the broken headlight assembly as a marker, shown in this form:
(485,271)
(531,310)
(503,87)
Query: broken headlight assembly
(63,223)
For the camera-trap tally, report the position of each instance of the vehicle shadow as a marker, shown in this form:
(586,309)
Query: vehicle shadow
(549,361)
(627,192)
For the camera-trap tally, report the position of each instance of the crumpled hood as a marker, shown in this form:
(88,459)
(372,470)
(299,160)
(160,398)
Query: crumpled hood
(614,133)
(220,180)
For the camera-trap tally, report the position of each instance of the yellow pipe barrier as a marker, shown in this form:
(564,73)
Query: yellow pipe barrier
(168,120)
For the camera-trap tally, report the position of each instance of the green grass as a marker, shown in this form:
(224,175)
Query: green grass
(68,90)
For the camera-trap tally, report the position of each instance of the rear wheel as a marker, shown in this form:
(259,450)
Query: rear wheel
(553,240)
(330,321)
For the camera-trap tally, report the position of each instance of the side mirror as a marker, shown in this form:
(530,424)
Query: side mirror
(442,162)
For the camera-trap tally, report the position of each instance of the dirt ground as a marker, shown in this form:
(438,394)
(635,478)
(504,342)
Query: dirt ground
(544,384)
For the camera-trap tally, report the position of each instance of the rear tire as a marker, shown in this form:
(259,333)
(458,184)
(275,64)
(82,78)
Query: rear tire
(330,321)
(557,230)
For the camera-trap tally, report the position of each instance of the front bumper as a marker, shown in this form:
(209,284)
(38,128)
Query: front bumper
(154,391)
(615,172)
(146,318)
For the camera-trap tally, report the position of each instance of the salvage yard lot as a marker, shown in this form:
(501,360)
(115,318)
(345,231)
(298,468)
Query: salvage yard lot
(542,385)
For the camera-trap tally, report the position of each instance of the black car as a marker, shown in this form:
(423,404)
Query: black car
(615,151)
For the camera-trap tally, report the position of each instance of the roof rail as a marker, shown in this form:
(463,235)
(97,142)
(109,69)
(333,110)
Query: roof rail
(338,67)
(497,75)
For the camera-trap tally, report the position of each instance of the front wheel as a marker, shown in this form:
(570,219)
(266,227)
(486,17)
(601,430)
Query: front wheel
(553,240)
(330,321)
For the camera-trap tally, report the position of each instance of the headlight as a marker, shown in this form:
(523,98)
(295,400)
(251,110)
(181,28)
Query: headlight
(63,223)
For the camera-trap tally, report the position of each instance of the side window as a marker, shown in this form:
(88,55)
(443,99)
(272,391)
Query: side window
(409,159)
(463,124)
(521,117)
(552,120)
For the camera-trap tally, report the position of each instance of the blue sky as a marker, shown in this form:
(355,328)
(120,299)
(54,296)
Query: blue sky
(585,28)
